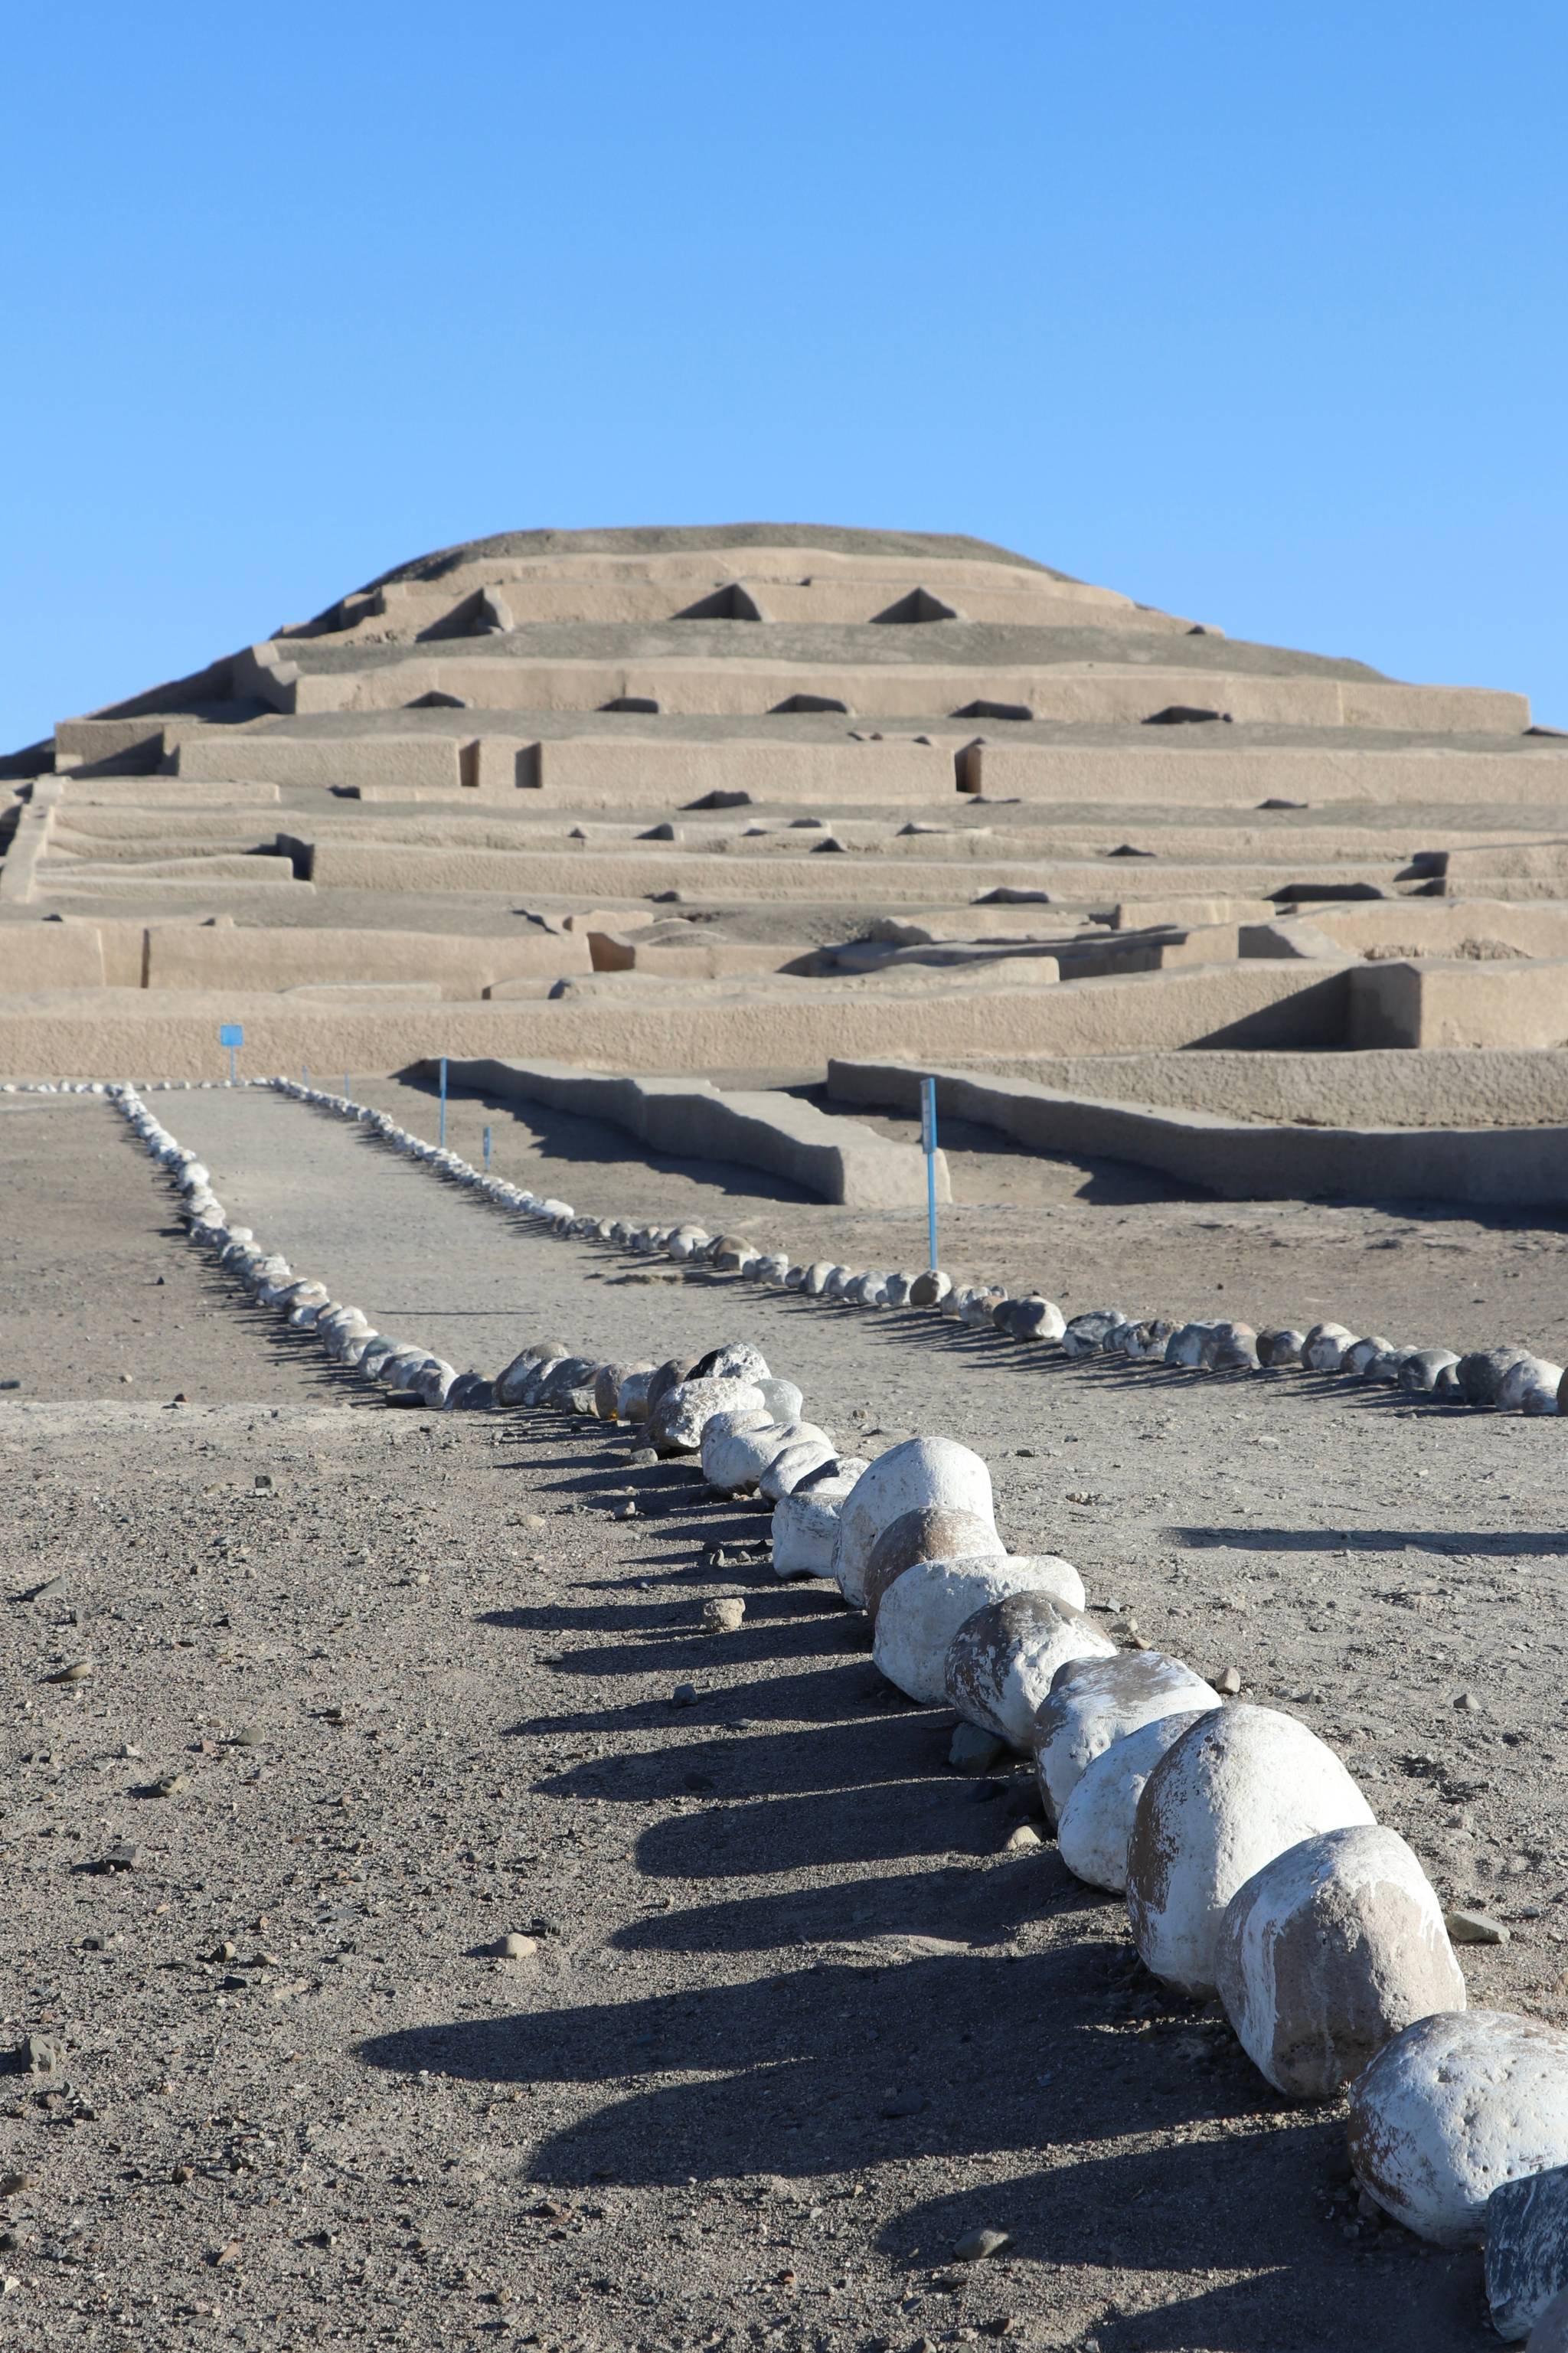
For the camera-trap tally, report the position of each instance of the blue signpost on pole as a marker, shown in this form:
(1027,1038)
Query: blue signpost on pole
(232,1035)
(928,1146)
(487,1147)
(443,1133)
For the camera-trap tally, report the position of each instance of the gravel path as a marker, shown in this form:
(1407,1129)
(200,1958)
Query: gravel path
(730,2099)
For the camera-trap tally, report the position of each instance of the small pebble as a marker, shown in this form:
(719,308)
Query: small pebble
(725,1615)
(1230,1683)
(1475,1928)
(513,1947)
(77,1672)
(683,1696)
(975,2245)
(644,1459)
(1468,1702)
(1024,1839)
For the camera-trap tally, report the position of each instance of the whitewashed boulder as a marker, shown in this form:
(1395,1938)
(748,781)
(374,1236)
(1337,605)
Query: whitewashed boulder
(523,1367)
(1280,1346)
(930,1289)
(1527,2253)
(935,1532)
(1329,1952)
(1481,1373)
(397,1371)
(685,1241)
(1423,1370)
(631,1397)
(806,1528)
(1529,1374)
(744,1455)
(1095,1826)
(1240,1786)
(1455,2105)
(1186,1345)
(375,1353)
(1357,1360)
(1086,1335)
(557,1381)
(734,1360)
(782,1399)
(608,1383)
(847,1468)
(793,1463)
(1092,1703)
(433,1381)
(918,1471)
(1035,1318)
(1000,1662)
(1543,1397)
(1149,1340)
(1231,1348)
(980,1307)
(717,1432)
(899,1288)
(923,1610)
(814,1281)
(675,1424)
(1323,1346)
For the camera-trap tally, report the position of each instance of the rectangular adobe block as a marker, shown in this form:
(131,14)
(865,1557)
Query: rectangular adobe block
(1460,1004)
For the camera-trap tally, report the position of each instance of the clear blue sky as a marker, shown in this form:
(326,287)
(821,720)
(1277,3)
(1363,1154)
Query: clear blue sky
(1254,312)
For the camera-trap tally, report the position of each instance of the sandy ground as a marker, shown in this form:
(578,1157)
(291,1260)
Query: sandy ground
(416,1681)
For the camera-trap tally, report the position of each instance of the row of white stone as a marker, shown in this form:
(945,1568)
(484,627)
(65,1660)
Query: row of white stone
(1251,1863)
(1508,1378)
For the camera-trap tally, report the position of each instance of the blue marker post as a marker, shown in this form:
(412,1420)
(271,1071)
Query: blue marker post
(443,1131)
(232,1035)
(487,1147)
(928,1146)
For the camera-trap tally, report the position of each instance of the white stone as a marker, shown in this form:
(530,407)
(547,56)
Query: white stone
(782,1399)
(676,1424)
(1327,1953)
(793,1463)
(933,1532)
(1240,1786)
(1000,1662)
(1325,1345)
(918,1471)
(717,1432)
(806,1528)
(1459,2104)
(1091,1705)
(1095,1829)
(923,1610)
(1530,1373)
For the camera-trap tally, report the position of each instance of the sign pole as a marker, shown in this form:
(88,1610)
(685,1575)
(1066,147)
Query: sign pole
(487,1147)
(232,1035)
(928,1146)
(443,1133)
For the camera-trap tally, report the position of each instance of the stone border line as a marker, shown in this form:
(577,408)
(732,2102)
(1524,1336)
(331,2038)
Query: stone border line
(1506,1379)
(1253,1868)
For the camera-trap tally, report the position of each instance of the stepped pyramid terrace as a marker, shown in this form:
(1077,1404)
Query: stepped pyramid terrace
(755,797)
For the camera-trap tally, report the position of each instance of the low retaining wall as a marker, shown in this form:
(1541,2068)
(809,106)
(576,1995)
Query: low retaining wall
(1200,775)
(1501,1166)
(169,1033)
(840,1159)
